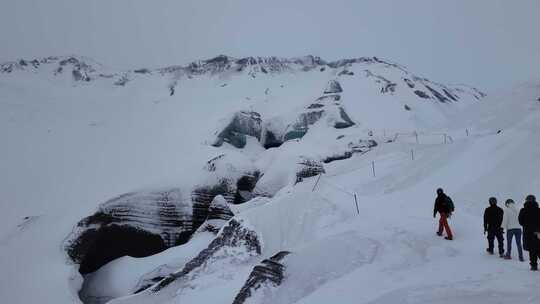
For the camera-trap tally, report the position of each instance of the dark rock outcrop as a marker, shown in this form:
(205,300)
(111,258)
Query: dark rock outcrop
(346,72)
(135,224)
(409,83)
(275,133)
(241,125)
(203,196)
(269,271)
(245,186)
(333,87)
(328,98)
(234,235)
(218,214)
(422,94)
(338,156)
(308,168)
(437,95)
(361,147)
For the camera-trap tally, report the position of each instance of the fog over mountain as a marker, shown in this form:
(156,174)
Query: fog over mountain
(485,43)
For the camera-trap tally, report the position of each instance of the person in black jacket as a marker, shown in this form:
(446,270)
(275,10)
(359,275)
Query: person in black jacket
(445,207)
(529,218)
(493,218)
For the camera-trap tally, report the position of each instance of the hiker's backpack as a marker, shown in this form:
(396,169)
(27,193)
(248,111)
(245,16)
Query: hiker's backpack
(450,203)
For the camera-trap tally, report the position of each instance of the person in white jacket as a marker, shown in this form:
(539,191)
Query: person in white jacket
(513,229)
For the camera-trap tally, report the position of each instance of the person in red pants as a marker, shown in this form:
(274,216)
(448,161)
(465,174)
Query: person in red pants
(444,206)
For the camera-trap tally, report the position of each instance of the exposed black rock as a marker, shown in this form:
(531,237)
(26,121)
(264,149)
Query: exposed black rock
(245,186)
(450,95)
(361,146)
(436,93)
(346,72)
(422,94)
(327,106)
(308,168)
(142,71)
(407,108)
(389,87)
(333,87)
(347,62)
(301,126)
(241,125)
(135,224)
(341,156)
(328,98)
(409,82)
(79,75)
(345,122)
(315,106)
(218,214)
(203,196)
(270,140)
(269,271)
(233,235)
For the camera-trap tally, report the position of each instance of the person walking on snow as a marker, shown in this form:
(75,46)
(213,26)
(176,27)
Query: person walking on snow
(444,206)
(513,229)
(529,218)
(493,218)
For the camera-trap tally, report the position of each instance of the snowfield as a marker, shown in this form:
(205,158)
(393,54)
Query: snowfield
(360,231)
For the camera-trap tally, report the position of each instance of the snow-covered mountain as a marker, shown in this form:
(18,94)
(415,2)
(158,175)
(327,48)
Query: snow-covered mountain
(254,180)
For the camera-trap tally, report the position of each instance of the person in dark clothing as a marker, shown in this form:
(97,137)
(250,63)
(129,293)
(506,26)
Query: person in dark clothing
(529,218)
(493,218)
(444,206)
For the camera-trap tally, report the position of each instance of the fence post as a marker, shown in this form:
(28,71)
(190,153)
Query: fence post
(317,182)
(373,167)
(444,138)
(467,132)
(356,203)
(412,154)
(416,135)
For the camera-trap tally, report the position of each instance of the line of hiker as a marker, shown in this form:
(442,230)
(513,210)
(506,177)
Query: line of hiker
(497,221)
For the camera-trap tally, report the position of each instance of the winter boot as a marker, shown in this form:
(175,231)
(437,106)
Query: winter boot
(490,251)
(439,233)
(448,238)
(534,267)
(521,259)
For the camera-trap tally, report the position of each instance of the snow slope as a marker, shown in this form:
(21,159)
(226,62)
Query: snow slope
(70,144)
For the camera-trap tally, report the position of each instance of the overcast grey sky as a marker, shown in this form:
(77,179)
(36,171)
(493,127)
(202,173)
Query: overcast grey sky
(486,43)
